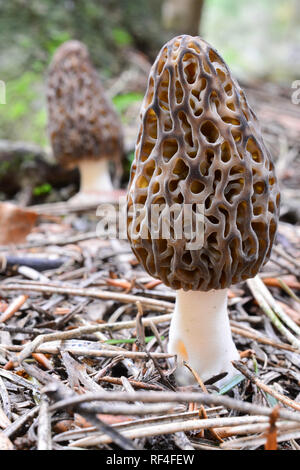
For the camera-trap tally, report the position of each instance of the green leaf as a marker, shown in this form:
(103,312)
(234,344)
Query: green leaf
(130,340)
(45,188)
(231,384)
(271,400)
(255,365)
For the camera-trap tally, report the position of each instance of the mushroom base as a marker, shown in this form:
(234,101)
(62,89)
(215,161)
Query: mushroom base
(95,181)
(200,335)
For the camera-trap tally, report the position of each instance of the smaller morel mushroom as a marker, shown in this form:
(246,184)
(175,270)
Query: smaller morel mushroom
(83,127)
(200,147)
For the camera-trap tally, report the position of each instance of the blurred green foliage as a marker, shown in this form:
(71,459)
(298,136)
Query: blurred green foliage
(258,39)
(31,31)
(25,110)
(121,102)
(121,37)
(42,190)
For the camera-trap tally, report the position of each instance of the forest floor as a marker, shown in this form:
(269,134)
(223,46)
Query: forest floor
(83,334)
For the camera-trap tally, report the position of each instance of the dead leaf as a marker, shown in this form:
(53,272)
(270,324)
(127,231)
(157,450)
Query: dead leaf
(114,419)
(63,426)
(16,223)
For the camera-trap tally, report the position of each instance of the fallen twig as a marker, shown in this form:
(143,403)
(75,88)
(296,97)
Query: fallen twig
(168,428)
(258,295)
(155,397)
(44,426)
(276,307)
(92,293)
(247,373)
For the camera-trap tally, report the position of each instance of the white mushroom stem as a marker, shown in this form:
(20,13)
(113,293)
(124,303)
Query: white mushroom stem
(200,335)
(94,176)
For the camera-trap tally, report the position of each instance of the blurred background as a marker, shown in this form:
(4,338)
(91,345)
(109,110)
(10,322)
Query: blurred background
(58,274)
(260,41)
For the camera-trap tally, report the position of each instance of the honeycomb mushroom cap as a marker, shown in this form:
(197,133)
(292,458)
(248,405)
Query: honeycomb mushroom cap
(81,121)
(200,143)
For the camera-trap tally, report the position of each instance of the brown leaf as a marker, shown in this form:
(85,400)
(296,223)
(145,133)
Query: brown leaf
(16,223)
(106,418)
(63,426)
(114,419)
(4,421)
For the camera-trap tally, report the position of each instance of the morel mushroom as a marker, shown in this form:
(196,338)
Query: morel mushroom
(200,145)
(84,129)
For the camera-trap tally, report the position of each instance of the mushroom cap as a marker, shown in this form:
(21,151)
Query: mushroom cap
(82,123)
(200,145)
